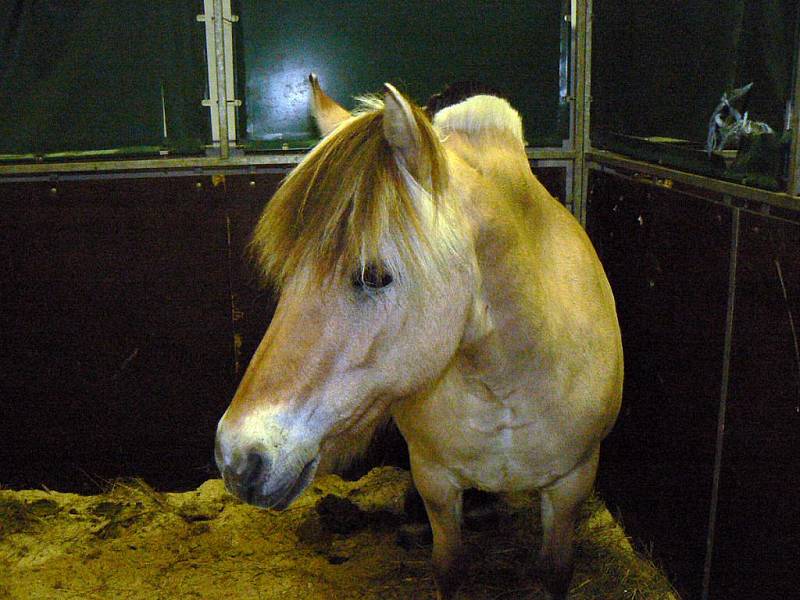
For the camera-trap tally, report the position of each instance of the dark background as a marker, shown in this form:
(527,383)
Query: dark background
(91,75)
(354,47)
(659,68)
(677,266)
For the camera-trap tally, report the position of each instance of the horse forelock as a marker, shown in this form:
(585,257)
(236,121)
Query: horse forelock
(351,202)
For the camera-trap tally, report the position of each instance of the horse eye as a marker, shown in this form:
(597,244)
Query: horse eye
(372,277)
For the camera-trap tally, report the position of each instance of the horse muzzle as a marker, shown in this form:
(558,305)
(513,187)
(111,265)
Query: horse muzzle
(254,477)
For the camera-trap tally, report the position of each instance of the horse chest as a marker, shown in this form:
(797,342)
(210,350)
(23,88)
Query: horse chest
(484,444)
(496,453)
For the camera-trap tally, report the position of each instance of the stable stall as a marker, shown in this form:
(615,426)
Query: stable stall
(693,205)
(140,141)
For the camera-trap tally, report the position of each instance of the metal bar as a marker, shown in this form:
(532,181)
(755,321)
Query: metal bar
(600,159)
(154,165)
(228,19)
(549,154)
(587,111)
(282,163)
(551,163)
(794,155)
(222,89)
(569,184)
(203,162)
(567,71)
(723,401)
(582,26)
(162,174)
(211,67)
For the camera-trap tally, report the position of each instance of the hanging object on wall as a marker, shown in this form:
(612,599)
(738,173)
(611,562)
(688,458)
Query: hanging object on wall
(758,160)
(727,125)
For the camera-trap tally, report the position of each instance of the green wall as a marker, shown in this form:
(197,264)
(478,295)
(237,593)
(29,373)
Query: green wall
(660,67)
(354,47)
(89,75)
(94,75)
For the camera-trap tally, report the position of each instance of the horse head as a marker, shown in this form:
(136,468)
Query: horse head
(372,261)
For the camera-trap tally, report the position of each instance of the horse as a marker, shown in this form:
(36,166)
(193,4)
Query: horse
(425,275)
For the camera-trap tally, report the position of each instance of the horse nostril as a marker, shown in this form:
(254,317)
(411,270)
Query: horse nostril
(252,469)
(255,471)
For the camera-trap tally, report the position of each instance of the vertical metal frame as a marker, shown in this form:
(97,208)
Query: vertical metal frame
(569,186)
(573,87)
(794,154)
(723,400)
(581,106)
(566,74)
(222,102)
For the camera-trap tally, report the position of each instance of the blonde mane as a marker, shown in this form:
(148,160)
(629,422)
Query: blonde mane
(480,114)
(340,205)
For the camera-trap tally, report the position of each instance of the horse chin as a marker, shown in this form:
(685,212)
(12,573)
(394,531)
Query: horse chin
(281,498)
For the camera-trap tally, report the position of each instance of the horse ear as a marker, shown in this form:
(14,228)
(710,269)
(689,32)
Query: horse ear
(400,128)
(325,110)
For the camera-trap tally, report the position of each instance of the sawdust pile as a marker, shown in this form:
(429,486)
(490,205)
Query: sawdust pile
(340,540)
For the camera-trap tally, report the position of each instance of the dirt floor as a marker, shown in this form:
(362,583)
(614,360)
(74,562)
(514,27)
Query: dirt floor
(340,540)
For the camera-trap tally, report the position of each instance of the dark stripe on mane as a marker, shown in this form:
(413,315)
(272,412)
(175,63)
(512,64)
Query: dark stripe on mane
(458,91)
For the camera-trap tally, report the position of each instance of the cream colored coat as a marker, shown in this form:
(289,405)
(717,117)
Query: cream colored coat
(503,373)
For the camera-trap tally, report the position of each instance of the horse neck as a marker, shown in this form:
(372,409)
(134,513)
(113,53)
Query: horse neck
(501,199)
(503,202)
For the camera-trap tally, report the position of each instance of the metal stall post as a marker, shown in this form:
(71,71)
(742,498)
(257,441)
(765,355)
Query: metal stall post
(222,101)
(582,26)
(794,155)
(564,156)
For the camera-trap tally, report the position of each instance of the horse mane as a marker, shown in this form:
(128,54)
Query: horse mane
(458,91)
(337,208)
(478,114)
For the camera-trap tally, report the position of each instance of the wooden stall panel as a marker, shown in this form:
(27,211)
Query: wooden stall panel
(758,519)
(116,336)
(667,257)
(128,315)
(252,301)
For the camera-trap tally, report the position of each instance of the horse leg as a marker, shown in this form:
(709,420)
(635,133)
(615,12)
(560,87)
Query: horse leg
(560,504)
(442,500)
